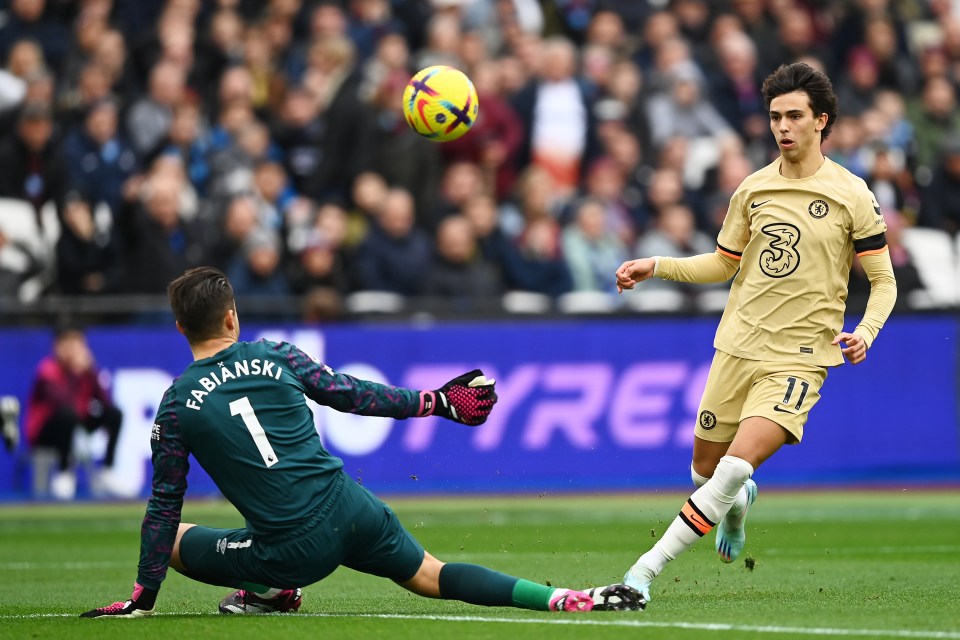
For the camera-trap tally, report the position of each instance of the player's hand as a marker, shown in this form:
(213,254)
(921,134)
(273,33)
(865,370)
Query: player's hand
(140,605)
(856,350)
(467,399)
(632,272)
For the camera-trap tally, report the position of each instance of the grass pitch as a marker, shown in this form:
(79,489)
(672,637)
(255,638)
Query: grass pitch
(861,565)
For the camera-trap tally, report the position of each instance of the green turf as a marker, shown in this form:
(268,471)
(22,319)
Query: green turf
(873,564)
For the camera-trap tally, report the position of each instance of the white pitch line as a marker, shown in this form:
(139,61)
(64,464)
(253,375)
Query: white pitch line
(67,566)
(701,626)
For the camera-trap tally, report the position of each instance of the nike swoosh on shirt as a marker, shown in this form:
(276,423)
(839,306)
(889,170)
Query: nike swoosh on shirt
(776,408)
(754,205)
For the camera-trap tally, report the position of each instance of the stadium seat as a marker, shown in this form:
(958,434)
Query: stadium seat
(525,302)
(656,300)
(362,302)
(933,253)
(18,222)
(712,300)
(588,302)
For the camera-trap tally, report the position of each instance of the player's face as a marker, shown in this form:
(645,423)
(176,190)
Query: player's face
(794,126)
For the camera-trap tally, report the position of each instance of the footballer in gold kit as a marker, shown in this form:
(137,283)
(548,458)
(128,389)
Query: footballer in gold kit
(788,241)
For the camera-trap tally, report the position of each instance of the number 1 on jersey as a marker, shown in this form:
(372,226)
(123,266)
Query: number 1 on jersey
(244,409)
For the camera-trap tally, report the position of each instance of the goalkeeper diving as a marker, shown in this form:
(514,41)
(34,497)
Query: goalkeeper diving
(240,409)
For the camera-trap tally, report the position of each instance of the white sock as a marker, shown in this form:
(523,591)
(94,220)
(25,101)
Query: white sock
(698,480)
(700,514)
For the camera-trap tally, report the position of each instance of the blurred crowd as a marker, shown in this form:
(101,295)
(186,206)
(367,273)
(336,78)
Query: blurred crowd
(265,137)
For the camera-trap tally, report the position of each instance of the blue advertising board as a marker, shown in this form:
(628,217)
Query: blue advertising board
(585,405)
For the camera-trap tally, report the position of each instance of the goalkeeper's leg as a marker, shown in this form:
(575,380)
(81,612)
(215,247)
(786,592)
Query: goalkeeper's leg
(479,585)
(249,597)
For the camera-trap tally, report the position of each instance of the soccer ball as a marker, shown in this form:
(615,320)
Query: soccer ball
(440,103)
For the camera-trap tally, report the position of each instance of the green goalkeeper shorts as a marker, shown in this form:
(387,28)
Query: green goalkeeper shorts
(357,530)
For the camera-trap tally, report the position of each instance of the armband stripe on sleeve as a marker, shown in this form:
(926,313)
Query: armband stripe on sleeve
(736,255)
(872,253)
(870,245)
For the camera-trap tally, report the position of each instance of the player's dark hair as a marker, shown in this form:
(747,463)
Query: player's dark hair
(800,76)
(199,299)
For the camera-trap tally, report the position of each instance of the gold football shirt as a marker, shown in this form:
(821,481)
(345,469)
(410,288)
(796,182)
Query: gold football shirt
(795,240)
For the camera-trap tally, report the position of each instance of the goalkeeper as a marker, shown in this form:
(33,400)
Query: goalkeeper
(239,408)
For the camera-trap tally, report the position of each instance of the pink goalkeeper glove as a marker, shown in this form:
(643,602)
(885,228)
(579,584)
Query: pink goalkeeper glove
(467,399)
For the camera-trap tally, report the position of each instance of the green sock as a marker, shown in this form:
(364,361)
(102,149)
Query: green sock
(477,585)
(530,595)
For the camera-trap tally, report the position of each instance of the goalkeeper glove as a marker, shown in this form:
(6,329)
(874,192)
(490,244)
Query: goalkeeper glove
(467,399)
(140,605)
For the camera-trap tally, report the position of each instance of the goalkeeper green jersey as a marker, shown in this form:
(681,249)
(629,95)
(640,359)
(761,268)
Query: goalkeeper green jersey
(243,416)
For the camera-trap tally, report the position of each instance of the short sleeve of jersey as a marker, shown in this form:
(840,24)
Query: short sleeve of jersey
(867,216)
(735,232)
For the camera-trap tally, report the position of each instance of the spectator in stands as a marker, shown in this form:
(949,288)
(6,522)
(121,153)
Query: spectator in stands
(99,159)
(664,189)
(622,109)
(345,144)
(675,234)
(934,117)
(256,271)
(461,181)
(604,185)
(321,262)
(535,197)
(495,139)
(896,70)
(396,253)
(591,249)
(25,21)
(298,132)
(68,393)
(558,118)
(157,242)
(481,212)
(87,256)
(111,56)
(734,88)
(443,43)
(535,261)
(150,117)
(458,272)
(857,89)
(685,112)
(231,230)
(88,29)
(716,197)
(188,139)
(261,61)
(904,269)
(940,200)
(797,35)
(33,168)
(400,155)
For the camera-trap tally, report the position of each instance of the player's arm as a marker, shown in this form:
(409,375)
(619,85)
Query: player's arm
(875,259)
(158,532)
(718,266)
(467,399)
